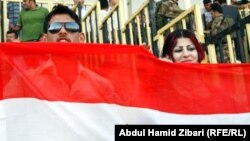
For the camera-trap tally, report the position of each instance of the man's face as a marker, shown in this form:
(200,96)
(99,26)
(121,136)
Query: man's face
(63,35)
(113,2)
(26,4)
(208,6)
(10,37)
(176,1)
(213,13)
(233,1)
(79,1)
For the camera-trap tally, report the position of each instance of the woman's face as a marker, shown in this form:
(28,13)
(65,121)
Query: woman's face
(185,51)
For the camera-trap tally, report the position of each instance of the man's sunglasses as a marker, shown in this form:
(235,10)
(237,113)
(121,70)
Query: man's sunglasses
(55,27)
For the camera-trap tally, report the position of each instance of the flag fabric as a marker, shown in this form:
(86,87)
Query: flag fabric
(75,92)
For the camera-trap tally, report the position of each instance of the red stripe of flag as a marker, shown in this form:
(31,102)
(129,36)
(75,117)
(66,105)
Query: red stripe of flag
(121,74)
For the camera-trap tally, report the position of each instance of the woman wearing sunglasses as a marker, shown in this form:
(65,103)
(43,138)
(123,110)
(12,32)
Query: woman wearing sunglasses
(62,25)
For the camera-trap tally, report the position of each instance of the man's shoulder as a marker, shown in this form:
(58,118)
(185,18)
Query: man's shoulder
(229,20)
(204,11)
(167,2)
(23,11)
(218,18)
(229,7)
(43,9)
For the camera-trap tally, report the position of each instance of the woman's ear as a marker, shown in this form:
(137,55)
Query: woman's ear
(168,57)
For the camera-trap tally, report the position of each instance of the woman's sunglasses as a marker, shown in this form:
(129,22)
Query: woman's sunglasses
(55,27)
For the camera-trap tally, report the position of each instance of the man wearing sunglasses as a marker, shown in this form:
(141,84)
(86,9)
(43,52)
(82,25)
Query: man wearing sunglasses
(61,75)
(62,25)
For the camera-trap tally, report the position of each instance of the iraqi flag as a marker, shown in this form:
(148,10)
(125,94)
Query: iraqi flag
(76,92)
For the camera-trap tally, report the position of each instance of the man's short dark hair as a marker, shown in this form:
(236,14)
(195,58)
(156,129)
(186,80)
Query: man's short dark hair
(206,1)
(14,32)
(104,4)
(61,9)
(216,7)
(222,1)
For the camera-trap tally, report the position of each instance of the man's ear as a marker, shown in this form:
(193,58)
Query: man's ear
(81,37)
(43,38)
